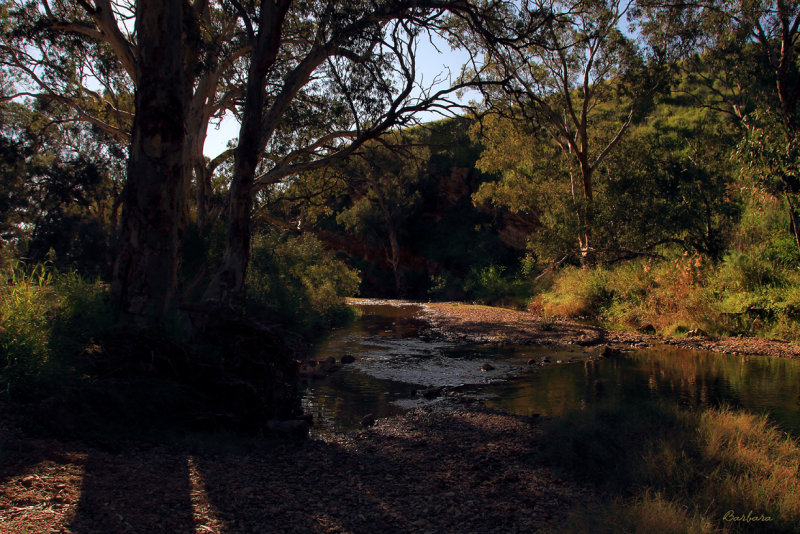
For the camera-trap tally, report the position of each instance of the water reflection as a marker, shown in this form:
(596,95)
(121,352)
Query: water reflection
(396,357)
(687,377)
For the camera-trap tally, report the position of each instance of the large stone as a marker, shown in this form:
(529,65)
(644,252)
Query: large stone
(291,427)
(368,420)
(608,352)
(697,332)
(327,363)
(647,329)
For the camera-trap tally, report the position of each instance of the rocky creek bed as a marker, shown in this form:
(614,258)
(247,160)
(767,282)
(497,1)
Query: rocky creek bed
(454,466)
(499,325)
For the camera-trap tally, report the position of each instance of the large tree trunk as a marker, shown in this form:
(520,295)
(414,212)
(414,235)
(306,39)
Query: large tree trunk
(146,271)
(227,287)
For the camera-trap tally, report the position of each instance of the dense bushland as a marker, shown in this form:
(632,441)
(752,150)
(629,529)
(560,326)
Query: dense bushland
(754,289)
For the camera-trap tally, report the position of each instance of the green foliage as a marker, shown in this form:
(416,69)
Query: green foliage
(669,180)
(491,285)
(295,279)
(745,293)
(27,306)
(46,319)
(56,205)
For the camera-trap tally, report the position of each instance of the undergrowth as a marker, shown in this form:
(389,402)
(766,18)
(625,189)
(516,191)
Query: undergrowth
(46,318)
(740,295)
(69,366)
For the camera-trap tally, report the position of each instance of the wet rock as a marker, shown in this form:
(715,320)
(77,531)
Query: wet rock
(306,372)
(431,393)
(559,361)
(292,427)
(368,420)
(327,363)
(546,360)
(697,332)
(608,352)
(347,358)
(487,367)
(647,329)
(532,361)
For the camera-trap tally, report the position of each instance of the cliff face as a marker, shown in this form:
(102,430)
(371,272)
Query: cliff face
(514,228)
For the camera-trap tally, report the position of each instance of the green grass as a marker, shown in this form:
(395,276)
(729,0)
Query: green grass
(47,318)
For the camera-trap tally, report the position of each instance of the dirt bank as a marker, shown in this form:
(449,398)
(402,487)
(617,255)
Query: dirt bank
(486,324)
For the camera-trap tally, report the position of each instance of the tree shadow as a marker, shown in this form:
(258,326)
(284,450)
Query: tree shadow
(465,471)
(135,491)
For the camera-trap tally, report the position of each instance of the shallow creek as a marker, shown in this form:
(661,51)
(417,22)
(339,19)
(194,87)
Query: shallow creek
(399,364)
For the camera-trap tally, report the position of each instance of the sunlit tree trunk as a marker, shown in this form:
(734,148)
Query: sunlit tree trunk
(146,270)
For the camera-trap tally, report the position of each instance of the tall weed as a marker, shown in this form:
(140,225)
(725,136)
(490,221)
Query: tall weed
(740,295)
(577,293)
(28,304)
(45,319)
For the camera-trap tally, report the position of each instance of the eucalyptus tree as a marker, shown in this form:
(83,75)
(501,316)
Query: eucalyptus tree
(383,181)
(82,54)
(97,60)
(310,81)
(585,68)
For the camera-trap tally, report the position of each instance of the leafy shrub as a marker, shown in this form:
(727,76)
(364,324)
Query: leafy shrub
(27,305)
(743,294)
(490,285)
(577,292)
(295,279)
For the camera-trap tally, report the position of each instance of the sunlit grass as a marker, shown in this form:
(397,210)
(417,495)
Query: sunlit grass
(674,470)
